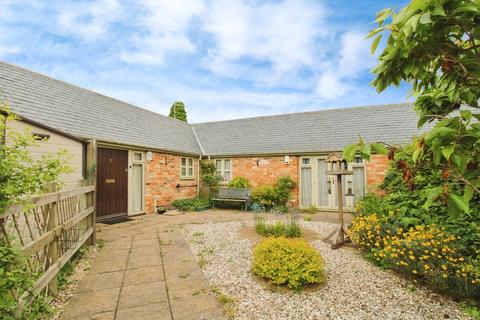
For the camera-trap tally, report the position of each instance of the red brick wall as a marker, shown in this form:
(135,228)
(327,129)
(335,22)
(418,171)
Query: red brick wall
(376,169)
(162,177)
(266,170)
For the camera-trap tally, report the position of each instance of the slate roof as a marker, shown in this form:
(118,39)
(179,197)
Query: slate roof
(308,132)
(86,114)
(89,115)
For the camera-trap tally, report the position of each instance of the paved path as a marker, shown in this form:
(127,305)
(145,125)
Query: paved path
(146,270)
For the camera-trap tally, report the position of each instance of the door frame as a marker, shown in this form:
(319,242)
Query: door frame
(314,166)
(131,162)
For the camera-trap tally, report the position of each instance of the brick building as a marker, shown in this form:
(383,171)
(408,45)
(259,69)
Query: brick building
(140,159)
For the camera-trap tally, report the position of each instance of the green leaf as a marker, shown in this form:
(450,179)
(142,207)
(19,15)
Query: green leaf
(425,18)
(437,156)
(460,202)
(466,115)
(349,152)
(383,15)
(416,154)
(366,150)
(447,151)
(468,193)
(379,148)
(438,11)
(375,44)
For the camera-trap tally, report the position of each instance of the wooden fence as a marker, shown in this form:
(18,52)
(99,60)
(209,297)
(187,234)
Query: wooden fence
(48,231)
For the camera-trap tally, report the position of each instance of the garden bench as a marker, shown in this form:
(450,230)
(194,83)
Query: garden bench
(233,195)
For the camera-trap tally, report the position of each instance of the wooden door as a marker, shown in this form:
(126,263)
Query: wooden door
(112,183)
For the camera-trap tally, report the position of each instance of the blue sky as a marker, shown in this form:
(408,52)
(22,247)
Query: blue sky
(224,59)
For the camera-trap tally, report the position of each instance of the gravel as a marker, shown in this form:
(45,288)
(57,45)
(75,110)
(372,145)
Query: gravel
(355,289)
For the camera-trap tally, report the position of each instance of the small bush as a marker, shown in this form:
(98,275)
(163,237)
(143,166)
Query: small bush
(190,204)
(291,262)
(265,195)
(291,229)
(239,182)
(283,189)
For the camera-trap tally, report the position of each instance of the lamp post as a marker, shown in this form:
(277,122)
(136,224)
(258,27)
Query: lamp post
(338,167)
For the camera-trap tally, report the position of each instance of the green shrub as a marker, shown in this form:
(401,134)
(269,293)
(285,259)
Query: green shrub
(276,196)
(15,279)
(265,195)
(290,229)
(291,262)
(191,204)
(283,189)
(239,182)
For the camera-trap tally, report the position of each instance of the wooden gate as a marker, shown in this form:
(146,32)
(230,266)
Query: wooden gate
(112,183)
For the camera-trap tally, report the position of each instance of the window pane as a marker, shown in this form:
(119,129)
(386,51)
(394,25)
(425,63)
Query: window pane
(184,161)
(226,177)
(190,162)
(218,164)
(306,161)
(137,156)
(190,172)
(219,173)
(227,164)
(184,172)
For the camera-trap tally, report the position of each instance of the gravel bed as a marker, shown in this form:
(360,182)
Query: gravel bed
(81,268)
(355,289)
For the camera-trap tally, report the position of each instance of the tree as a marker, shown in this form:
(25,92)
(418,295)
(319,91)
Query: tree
(434,45)
(177,111)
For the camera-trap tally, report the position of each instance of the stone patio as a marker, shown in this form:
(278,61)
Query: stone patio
(146,270)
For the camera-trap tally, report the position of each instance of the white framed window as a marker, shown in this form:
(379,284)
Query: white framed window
(137,156)
(186,168)
(224,168)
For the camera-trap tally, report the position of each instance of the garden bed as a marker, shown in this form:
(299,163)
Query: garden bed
(355,289)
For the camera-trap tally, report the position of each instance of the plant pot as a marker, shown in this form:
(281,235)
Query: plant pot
(203,208)
(161,210)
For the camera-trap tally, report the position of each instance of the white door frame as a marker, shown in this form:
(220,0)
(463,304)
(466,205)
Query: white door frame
(133,160)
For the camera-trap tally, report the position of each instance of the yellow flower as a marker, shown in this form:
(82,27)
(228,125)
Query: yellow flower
(412,257)
(444,267)
(414,271)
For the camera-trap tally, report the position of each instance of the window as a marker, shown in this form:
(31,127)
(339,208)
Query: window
(137,157)
(224,169)
(186,168)
(306,161)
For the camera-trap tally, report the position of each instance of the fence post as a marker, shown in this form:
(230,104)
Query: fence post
(91,160)
(52,254)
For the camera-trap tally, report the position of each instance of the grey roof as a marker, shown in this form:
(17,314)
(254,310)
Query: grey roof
(89,115)
(86,114)
(307,132)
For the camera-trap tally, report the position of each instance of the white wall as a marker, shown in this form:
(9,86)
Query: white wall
(55,143)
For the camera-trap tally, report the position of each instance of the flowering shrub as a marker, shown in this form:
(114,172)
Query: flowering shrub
(291,262)
(239,182)
(426,252)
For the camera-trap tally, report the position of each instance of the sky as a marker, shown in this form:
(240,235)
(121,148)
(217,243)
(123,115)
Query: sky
(224,59)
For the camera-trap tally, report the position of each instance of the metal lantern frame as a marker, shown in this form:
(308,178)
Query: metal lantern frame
(338,167)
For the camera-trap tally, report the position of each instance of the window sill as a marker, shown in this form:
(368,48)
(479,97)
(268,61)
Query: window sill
(187,178)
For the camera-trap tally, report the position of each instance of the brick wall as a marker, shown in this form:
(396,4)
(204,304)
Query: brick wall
(162,177)
(376,169)
(266,170)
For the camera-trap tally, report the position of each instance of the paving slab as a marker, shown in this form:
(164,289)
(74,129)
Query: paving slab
(146,270)
(143,294)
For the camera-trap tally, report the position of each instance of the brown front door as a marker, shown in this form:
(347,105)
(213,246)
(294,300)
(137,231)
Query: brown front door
(112,183)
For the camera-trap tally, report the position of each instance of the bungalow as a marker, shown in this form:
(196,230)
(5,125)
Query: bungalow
(141,159)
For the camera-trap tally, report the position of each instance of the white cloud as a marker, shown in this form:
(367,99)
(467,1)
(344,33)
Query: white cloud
(91,20)
(282,34)
(165,25)
(354,57)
